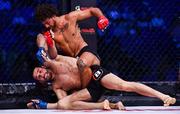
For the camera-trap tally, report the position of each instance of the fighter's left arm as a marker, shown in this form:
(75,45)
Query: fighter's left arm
(87,13)
(79,15)
(49,63)
(60,93)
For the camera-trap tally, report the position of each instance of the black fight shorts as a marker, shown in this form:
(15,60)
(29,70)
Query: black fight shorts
(94,87)
(87,49)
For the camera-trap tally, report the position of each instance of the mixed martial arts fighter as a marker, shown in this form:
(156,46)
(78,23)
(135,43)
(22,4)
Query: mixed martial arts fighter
(64,72)
(65,32)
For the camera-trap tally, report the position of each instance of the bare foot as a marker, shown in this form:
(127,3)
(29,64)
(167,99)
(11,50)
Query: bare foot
(106,105)
(117,105)
(169,100)
(120,106)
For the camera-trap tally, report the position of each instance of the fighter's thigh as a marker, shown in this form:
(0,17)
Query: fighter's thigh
(88,58)
(112,81)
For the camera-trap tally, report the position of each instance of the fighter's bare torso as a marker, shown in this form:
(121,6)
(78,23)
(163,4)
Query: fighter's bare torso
(66,73)
(68,37)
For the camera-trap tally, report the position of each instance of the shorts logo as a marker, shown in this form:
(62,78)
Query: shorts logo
(97,74)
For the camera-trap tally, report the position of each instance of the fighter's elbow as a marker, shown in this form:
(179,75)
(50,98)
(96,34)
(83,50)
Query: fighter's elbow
(95,11)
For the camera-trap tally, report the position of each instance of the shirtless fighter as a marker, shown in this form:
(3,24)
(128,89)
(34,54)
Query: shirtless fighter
(64,76)
(64,73)
(66,34)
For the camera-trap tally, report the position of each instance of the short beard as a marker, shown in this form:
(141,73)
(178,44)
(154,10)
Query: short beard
(49,75)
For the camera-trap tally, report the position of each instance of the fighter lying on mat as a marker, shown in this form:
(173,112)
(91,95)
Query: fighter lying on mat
(66,34)
(63,72)
(64,75)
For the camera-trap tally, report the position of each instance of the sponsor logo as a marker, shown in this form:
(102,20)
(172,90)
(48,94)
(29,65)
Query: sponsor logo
(97,74)
(80,8)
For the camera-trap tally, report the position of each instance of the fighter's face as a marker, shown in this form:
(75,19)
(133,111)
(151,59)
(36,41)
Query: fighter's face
(42,74)
(49,23)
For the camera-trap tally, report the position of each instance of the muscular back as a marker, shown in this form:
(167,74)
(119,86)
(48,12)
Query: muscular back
(67,76)
(68,37)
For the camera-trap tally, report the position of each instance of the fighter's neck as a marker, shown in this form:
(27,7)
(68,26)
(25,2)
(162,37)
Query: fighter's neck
(53,76)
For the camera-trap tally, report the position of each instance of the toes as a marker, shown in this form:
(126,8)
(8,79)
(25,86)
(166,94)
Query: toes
(120,106)
(169,100)
(107,105)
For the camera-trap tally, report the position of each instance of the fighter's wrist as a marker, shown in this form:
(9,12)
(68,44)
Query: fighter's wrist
(42,104)
(101,17)
(41,47)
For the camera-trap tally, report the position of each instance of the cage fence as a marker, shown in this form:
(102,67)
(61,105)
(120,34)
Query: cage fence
(140,44)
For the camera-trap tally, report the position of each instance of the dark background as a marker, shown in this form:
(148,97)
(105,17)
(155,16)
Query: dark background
(141,43)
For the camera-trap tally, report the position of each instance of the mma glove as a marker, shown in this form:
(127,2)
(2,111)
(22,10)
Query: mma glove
(49,35)
(41,104)
(103,22)
(39,55)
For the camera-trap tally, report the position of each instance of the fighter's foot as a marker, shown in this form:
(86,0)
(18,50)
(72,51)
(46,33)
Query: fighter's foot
(117,105)
(169,100)
(106,105)
(120,106)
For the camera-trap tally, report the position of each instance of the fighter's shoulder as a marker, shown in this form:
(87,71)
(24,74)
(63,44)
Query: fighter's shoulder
(72,15)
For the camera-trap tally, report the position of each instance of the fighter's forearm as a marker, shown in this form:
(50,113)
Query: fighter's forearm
(103,22)
(96,12)
(60,93)
(41,42)
(52,106)
(90,12)
(52,52)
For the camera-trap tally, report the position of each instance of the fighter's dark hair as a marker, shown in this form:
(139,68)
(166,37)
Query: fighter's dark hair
(45,11)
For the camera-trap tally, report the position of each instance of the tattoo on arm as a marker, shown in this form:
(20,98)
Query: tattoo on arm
(81,65)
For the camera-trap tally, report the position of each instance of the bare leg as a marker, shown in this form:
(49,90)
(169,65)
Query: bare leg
(111,81)
(84,62)
(85,72)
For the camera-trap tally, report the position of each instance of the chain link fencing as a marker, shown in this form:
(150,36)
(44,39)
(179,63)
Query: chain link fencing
(140,44)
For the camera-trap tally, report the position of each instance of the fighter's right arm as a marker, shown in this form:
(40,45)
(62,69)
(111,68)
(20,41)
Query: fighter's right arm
(43,45)
(41,41)
(52,51)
